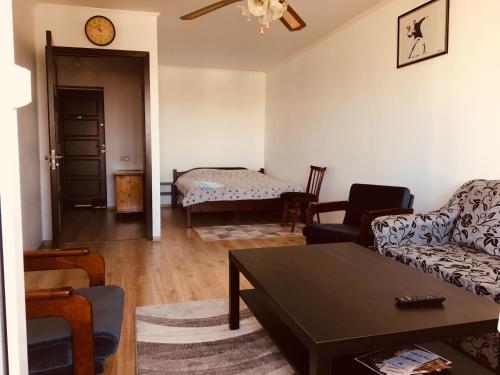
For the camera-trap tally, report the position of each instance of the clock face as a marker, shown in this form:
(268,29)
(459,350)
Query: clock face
(100,30)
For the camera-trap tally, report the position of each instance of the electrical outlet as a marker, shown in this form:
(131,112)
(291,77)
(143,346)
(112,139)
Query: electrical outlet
(125,158)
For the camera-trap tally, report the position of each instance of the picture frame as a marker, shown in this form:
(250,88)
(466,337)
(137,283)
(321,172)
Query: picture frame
(423,32)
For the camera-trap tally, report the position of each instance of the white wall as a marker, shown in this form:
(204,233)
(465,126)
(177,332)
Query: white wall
(121,79)
(24,45)
(431,126)
(210,118)
(10,199)
(134,31)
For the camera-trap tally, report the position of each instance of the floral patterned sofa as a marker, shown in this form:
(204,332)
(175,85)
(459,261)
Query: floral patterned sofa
(459,243)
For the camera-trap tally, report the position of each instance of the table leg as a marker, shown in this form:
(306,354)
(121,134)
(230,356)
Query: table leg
(320,365)
(234,296)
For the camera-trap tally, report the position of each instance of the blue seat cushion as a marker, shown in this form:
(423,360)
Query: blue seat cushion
(330,233)
(49,339)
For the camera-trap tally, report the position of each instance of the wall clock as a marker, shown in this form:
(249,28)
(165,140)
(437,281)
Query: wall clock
(100,30)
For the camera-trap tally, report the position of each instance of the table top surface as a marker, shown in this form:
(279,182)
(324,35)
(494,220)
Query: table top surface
(129,172)
(341,293)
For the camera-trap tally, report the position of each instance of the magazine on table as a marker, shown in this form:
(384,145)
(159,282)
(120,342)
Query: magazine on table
(410,360)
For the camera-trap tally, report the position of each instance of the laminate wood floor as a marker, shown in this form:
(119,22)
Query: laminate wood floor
(180,268)
(95,225)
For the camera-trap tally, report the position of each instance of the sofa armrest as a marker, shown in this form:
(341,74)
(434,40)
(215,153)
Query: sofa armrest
(366,236)
(77,310)
(433,228)
(46,260)
(318,208)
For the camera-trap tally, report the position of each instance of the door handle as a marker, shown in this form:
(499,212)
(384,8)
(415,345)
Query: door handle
(53,159)
(103,148)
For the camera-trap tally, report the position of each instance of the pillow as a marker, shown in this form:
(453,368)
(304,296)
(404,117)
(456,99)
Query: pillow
(479,224)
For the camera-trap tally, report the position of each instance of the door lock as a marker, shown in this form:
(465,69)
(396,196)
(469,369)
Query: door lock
(103,148)
(53,159)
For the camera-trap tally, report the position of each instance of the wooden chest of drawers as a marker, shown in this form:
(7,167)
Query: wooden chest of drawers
(129,191)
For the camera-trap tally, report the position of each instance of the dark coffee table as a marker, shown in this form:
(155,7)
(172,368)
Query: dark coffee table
(323,304)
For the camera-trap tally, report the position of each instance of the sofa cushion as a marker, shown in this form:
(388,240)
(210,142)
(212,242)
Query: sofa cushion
(479,224)
(484,348)
(49,339)
(330,233)
(474,270)
(432,228)
(471,269)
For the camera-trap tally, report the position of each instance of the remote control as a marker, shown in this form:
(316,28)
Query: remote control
(429,299)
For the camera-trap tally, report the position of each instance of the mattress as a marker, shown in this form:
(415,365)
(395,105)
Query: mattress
(212,185)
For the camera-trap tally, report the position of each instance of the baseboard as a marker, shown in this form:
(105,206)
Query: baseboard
(157,239)
(46,244)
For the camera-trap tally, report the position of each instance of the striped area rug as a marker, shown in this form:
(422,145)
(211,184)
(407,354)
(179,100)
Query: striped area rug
(194,338)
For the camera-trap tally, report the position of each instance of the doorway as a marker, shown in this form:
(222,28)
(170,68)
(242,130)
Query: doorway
(101,129)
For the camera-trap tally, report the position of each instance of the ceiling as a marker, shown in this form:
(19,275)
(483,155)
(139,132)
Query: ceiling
(225,39)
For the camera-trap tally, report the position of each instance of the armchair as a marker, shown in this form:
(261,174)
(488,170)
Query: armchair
(366,202)
(71,331)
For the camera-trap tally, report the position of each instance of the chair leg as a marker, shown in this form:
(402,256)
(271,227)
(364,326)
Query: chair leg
(295,216)
(317,215)
(285,212)
(303,212)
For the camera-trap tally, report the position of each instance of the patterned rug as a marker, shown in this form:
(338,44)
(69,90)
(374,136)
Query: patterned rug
(194,338)
(241,232)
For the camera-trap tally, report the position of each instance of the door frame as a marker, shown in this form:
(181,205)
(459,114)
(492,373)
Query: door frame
(144,57)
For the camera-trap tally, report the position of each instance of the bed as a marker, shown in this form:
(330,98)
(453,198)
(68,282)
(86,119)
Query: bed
(223,189)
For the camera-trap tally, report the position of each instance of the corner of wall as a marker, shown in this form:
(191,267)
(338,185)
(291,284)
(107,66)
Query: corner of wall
(25,55)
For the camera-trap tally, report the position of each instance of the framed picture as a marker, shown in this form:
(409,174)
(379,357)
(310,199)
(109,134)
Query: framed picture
(423,32)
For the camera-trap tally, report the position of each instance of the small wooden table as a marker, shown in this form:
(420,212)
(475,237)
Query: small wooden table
(323,304)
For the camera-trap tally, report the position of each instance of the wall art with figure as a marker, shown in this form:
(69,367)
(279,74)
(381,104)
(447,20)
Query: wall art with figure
(423,32)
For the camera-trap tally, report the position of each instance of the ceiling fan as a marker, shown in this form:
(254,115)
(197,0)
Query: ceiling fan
(266,11)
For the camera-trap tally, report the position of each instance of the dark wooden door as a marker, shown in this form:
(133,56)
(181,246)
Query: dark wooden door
(55,150)
(82,123)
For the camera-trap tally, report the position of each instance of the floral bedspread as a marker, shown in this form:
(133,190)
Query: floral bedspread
(235,185)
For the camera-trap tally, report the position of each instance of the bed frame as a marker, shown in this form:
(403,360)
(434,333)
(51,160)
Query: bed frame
(223,206)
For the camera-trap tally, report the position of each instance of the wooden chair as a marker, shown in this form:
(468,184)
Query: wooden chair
(300,201)
(71,331)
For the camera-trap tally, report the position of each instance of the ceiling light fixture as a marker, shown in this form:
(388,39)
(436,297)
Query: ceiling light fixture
(266,11)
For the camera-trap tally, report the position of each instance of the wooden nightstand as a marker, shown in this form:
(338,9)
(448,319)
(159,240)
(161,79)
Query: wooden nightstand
(129,191)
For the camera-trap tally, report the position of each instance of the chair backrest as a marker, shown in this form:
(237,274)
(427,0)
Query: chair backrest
(316,175)
(363,197)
